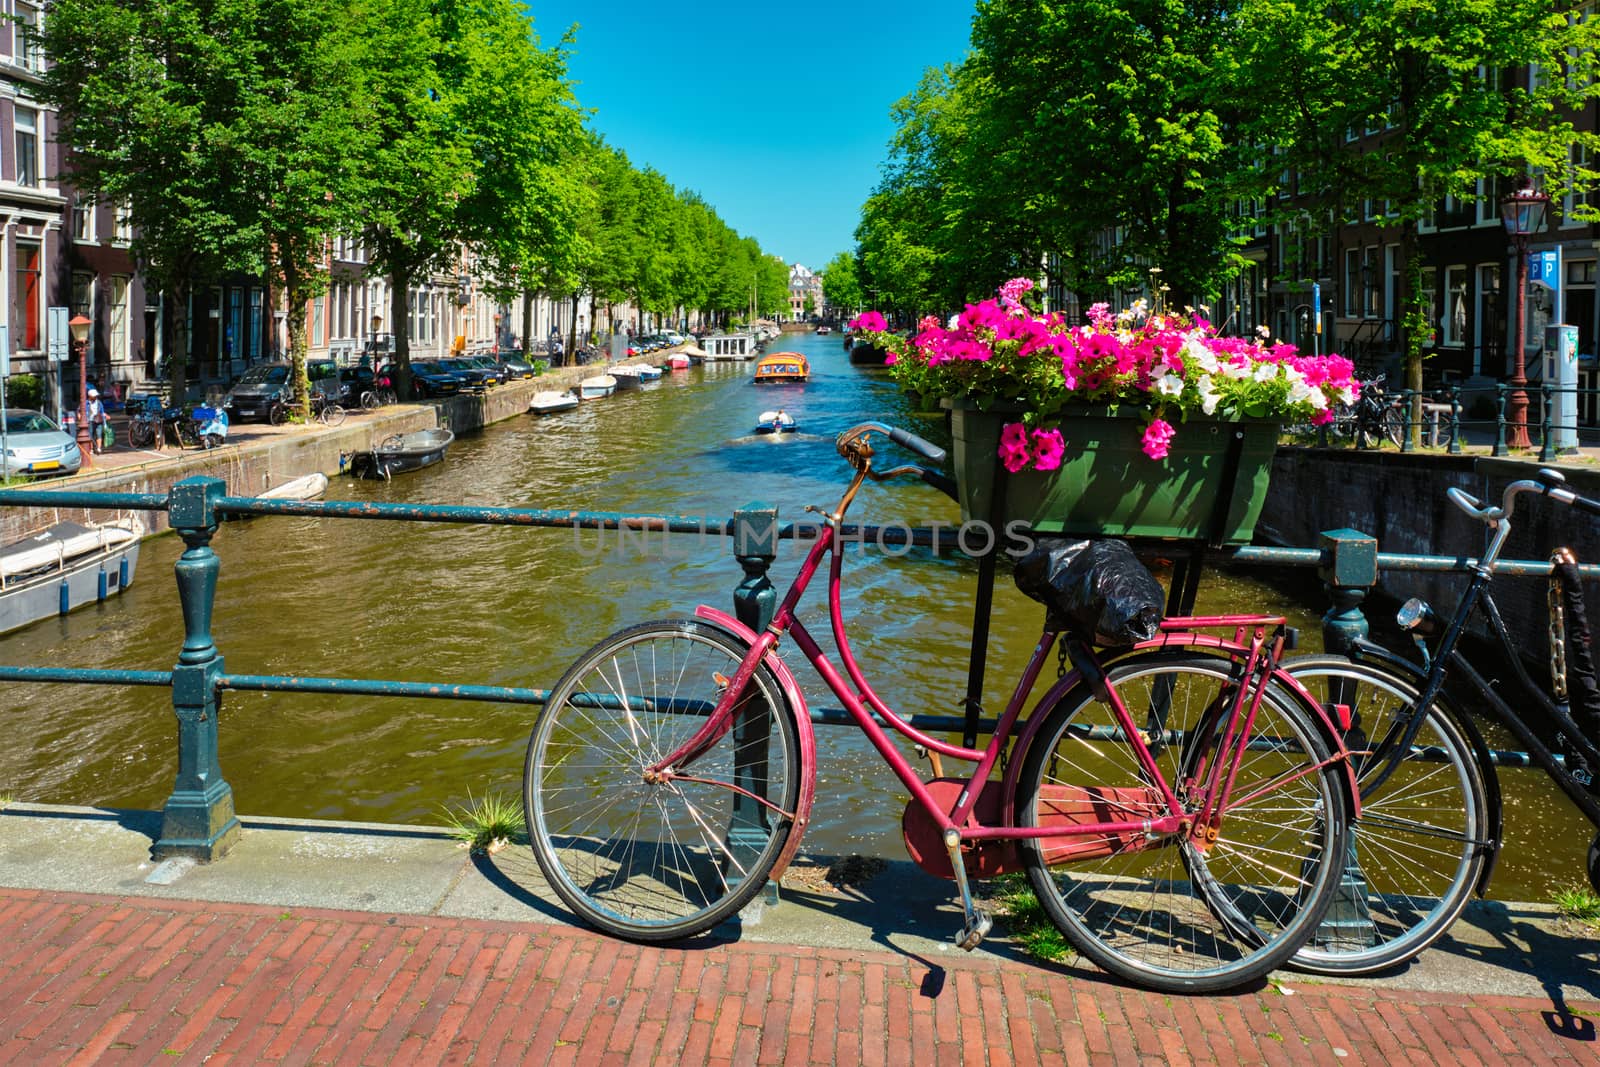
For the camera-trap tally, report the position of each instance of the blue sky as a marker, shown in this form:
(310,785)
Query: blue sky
(777,114)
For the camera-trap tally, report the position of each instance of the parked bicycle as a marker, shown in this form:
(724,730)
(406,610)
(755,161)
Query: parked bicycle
(325,409)
(199,427)
(1430,826)
(144,421)
(1181,808)
(1375,417)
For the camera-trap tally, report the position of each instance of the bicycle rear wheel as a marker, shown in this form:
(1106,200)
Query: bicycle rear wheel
(331,414)
(1421,843)
(671,858)
(1181,913)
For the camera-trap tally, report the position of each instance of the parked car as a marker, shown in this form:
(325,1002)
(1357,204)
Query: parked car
(472,377)
(358,382)
(486,362)
(36,445)
(266,385)
(513,365)
(427,381)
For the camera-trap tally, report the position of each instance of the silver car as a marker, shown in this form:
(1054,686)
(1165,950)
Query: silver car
(36,445)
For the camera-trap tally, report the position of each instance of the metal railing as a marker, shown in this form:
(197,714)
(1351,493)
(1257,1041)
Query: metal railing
(1443,418)
(198,817)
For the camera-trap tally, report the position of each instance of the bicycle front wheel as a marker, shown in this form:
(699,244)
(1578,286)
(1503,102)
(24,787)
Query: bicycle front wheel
(332,414)
(1394,424)
(1423,837)
(656,857)
(1187,912)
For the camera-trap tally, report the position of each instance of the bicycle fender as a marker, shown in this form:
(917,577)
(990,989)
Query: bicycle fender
(1365,651)
(804,733)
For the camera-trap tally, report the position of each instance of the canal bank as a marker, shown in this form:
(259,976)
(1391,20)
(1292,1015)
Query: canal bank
(332,942)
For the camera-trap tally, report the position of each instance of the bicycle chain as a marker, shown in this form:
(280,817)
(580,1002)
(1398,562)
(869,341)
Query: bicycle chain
(1558,628)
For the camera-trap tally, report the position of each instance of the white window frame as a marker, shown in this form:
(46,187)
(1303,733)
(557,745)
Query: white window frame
(29,176)
(120,309)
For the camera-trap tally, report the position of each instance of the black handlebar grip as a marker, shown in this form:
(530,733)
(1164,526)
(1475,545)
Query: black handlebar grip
(945,485)
(916,444)
(1583,503)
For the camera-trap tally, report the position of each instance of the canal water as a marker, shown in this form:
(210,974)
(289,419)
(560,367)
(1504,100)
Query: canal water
(496,606)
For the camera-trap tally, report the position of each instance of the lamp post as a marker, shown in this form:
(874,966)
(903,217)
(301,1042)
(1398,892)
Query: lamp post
(377,324)
(1523,215)
(79,325)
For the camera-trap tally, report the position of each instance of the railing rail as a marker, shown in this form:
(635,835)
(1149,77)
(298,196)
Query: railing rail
(198,817)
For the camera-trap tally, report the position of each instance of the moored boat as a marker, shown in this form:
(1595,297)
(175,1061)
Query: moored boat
(549,402)
(596,387)
(626,376)
(779,421)
(402,452)
(648,373)
(678,361)
(823,331)
(782,367)
(65,567)
(306,487)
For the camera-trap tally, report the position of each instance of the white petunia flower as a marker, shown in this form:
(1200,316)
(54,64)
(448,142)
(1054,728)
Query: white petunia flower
(1209,397)
(1265,372)
(1169,385)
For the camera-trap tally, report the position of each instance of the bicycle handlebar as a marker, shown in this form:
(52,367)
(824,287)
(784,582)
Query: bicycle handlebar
(922,448)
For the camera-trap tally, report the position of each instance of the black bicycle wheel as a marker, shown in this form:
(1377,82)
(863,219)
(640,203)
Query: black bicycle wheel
(655,857)
(369,400)
(1190,912)
(278,413)
(1394,424)
(1422,840)
(141,434)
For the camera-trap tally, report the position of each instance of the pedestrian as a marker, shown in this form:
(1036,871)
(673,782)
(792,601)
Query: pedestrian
(97,422)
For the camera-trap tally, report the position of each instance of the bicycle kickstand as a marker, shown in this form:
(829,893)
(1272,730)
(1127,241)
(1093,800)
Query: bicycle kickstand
(977,921)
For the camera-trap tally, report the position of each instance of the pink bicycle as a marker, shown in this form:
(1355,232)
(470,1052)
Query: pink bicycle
(1182,808)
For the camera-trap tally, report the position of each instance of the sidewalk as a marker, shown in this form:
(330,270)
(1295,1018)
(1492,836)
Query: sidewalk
(320,942)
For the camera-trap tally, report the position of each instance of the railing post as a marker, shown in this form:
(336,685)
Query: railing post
(1349,571)
(1406,396)
(755,546)
(1547,424)
(198,820)
(1500,448)
(1455,421)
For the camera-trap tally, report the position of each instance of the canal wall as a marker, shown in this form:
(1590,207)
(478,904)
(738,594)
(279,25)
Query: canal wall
(1399,498)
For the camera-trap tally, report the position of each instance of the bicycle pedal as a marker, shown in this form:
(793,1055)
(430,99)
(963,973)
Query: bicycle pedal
(974,930)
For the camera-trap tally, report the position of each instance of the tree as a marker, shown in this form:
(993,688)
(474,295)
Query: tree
(143,91)
(1432,77)
(841,287)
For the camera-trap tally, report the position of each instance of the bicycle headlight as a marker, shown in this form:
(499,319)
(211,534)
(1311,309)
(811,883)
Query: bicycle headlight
(1416,616)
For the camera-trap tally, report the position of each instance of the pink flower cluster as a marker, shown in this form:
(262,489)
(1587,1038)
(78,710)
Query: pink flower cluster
(869,322)
(1021,448)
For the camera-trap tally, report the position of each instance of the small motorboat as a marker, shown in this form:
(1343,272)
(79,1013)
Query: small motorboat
(782,367)
(548,402)
(65,567)
(823,331)
(402,452)
(306,487)
(678,361)
(598,386)
(626,377)
(647,373)
(779,421)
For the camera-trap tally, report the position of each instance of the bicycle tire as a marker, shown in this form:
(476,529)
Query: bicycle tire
(1394,425)
(331,414)
(1421,843)
(1166,913)
(278,413)
(639,860)
(141,435)
(369,400)
(388,396)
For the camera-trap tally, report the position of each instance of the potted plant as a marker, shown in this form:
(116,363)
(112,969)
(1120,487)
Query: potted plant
(1143,423)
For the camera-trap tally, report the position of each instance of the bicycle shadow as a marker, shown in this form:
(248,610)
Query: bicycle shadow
(1563,957)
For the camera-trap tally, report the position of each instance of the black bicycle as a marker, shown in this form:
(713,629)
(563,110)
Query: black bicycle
(1375,417)
(1430,825)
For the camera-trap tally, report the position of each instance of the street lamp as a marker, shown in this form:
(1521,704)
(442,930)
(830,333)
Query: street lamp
(79,325)
(1522,212)
(377,324)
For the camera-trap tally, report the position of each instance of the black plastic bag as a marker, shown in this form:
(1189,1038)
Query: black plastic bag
(1096,589)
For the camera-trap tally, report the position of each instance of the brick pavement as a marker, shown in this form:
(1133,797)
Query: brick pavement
(90,979)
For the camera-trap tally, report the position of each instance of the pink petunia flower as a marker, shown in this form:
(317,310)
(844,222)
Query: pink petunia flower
(1157,440)
(1048,449)
(1014,450)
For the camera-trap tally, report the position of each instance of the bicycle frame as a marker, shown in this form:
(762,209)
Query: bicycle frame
(1260,657)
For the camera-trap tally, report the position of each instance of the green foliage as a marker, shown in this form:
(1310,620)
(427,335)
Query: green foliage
(485,823)
(841,286)
(25,391)
(1026,921)
(1580,903)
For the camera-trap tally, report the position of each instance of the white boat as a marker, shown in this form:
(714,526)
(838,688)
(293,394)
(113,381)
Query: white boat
(778,421)
(306,487)
(598,386)
(647,373)
(65,567)
(548,402)
(729,347)
(627,376)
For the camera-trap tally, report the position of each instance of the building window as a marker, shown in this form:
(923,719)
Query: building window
(26,50)
(26,311)
(1427,293)
(235,321)
(1352,282)
(27,123)
(83,218)
(83,294)
(252,345)
(119,317)
(122,224)
(318,325)
(1453,320)
(1370,275)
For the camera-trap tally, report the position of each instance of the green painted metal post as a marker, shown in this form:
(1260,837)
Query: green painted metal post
(1500,447)
(755,546)
(1349,571)
(1406,398)
(198,820)
(1455,421)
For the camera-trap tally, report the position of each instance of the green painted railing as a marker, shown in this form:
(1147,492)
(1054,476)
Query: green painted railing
(198,818)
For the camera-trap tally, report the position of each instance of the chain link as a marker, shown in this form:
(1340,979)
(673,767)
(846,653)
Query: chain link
(1558,629)
(1061,659)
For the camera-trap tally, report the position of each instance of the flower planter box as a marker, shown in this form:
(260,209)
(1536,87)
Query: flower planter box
(1107,486)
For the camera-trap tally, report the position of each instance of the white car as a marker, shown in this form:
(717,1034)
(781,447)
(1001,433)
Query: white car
(36,445)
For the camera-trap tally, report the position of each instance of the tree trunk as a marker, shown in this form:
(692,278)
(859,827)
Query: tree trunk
(399,314)
(527,322)
(178,359)
(294,298)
